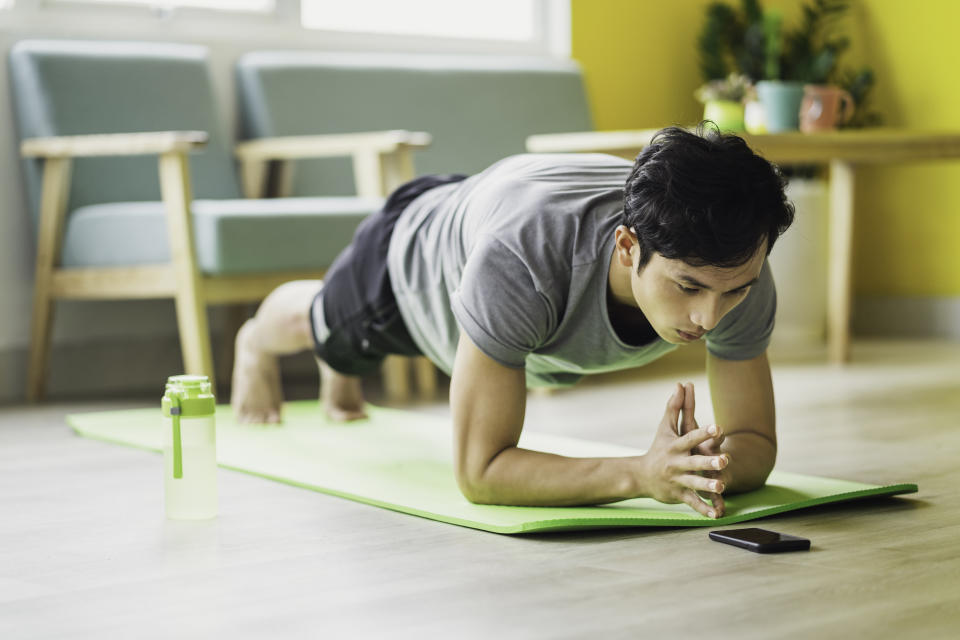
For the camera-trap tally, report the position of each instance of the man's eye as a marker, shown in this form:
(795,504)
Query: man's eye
(687,290)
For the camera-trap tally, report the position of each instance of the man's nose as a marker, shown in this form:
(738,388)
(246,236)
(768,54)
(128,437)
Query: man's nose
(706,315)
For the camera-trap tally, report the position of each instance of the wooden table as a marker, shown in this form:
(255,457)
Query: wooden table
(842,151)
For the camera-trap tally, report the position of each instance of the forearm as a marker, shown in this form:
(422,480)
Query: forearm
(742,394)
(523,477)
(752,456)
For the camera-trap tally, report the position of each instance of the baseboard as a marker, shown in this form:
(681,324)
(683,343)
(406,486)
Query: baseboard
(121,368)
(914,317)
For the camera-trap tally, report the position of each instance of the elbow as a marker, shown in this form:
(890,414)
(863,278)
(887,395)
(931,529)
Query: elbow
(747,485)
(475,483)
(473,494)
(473,487)
(751,481)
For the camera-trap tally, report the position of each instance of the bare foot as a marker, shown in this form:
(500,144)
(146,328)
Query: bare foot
(342,395)
(256,394)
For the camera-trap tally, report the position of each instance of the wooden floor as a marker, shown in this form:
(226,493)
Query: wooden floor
(86,553)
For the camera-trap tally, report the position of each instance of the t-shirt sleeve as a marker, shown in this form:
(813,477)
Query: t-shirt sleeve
(499,305)
(744,333)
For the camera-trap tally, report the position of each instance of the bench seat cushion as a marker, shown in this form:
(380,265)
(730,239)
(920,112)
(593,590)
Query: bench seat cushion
(232,236)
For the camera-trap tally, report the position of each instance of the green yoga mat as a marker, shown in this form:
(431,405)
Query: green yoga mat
(402,461)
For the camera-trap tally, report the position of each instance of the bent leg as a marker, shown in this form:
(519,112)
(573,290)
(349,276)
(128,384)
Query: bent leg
(342,395)
(280,327)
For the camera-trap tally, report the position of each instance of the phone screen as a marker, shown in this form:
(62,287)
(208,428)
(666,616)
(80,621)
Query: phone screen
(759,536)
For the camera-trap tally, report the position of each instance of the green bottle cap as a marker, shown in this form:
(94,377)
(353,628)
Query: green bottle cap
(185,396)
(193,393)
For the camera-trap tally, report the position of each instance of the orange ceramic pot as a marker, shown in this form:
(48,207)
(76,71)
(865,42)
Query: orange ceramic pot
(824,108)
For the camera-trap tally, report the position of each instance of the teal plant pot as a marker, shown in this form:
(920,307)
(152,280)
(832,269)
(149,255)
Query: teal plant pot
(726,113)
(781,104)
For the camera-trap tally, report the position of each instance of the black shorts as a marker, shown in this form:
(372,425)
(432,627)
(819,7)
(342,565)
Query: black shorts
(359,307)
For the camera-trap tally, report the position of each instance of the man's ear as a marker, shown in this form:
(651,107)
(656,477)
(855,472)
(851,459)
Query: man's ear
(626,243)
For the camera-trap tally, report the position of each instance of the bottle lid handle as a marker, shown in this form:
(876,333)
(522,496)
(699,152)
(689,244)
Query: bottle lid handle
(177,447)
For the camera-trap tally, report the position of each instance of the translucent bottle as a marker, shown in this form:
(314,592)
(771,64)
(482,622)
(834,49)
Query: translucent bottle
(189,449)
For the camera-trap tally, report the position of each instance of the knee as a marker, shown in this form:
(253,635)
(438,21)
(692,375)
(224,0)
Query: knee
(282,323)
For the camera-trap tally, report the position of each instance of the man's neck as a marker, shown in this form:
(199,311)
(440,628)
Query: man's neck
(627,320)
(619,289)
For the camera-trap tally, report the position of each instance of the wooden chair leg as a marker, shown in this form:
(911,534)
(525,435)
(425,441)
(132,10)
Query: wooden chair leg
(426,376)
(53,204)
(40,331)
(396,378)
(194,330)
(191,306)
(839,263)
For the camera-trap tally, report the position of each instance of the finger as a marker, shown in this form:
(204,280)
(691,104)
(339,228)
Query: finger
(696,438)
(719,506)
(705,449)
(716,499)
(671,414)
(688,422)
(699,483)
(720,438)
(694,501)
(711,446)
(705,463)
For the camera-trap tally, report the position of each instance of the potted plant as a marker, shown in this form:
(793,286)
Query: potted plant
(812,52)
(723,101)
(859,84)
(780,97)
(733,42)
(753,42)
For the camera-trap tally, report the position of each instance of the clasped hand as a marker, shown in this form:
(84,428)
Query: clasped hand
(685,459)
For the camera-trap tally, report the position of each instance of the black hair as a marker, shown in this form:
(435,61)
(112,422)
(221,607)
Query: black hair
(705,198)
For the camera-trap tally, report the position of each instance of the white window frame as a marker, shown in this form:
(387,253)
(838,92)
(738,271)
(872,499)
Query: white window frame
(154,6)
(280,28)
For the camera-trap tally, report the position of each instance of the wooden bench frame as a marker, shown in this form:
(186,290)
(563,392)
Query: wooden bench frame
(382,161)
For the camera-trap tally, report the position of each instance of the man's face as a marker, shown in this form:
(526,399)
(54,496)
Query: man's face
(683,302)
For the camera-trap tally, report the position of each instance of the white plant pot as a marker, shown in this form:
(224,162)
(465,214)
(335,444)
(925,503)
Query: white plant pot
(799,265)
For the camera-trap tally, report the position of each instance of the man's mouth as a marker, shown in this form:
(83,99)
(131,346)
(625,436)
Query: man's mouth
(689,337)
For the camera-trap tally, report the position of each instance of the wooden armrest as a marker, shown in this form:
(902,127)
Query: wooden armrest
(332,145)
(589,141)
(114,144)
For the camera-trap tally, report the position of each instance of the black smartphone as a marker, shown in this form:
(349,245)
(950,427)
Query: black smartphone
(761,540)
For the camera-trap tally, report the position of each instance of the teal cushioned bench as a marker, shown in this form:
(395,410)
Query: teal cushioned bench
(478,109)
(231,236)
(114,212)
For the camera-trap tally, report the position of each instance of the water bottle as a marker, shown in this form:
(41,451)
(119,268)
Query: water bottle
(189,449)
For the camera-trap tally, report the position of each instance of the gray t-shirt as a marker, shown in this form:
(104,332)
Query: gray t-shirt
(518,256)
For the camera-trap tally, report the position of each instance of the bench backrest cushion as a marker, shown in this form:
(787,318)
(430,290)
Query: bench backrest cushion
(65,87)
(478,109)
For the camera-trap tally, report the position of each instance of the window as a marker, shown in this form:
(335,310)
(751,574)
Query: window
(505,20)
(481,27)
(263,6)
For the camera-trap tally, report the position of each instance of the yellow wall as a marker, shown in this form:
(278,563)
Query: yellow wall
(640,66)
(908,218)
(639,60)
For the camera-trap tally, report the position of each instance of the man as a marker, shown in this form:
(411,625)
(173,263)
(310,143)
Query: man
(542,269)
